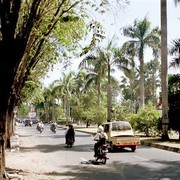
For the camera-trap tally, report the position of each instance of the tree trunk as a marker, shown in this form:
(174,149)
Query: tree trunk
(9,132)
(2,148)
(141,59)
(164,77)
(109,96)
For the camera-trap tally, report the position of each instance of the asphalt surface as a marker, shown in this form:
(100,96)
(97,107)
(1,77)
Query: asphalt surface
(171,145)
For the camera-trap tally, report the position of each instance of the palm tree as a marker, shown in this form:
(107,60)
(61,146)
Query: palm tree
(96,72)
(165,119)
(112,57)
(80,82)
(142,37)
(152,76)
(48,102)
(176,1)
(175,50)
(102,64)
(65,87)
(131,78)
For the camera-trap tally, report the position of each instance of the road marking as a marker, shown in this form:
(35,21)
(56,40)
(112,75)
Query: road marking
(141,158)
(49,139)
(83,159)
(61,146)
(88,162)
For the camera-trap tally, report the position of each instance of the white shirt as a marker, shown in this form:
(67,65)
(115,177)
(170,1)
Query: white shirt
(100,135)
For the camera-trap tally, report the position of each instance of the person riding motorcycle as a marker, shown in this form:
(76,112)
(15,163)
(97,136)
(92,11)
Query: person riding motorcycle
(40,126)
(70,135)
(53,126)
(101,138)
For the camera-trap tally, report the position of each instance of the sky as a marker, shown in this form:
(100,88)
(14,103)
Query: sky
(115,20)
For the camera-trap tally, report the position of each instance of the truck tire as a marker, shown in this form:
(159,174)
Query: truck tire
(111,148)
(133,148)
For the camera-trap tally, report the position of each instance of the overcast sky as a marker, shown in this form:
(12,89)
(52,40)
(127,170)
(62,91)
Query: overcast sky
(138,9)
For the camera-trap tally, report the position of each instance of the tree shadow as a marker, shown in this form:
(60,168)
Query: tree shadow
(47,148)
(120,171)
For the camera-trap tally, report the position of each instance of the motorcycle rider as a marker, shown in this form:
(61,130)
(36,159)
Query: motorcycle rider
(40,126)
(70,134)
(53,126)
(101,138)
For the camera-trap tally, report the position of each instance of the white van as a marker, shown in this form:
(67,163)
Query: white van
(120,135)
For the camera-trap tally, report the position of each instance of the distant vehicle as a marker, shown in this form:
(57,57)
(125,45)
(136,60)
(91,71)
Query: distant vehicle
(34,120)
(120,135)
(28,122)
(53,127)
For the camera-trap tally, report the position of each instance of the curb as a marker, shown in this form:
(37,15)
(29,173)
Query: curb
(160,146)
(85,132)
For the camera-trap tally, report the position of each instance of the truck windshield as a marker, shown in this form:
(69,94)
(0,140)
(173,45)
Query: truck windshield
(116,126)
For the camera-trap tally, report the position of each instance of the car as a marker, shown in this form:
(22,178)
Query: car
(34,120)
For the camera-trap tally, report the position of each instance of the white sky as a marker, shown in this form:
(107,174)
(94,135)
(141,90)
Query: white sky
(137,9)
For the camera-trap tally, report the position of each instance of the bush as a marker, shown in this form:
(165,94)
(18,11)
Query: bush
(146,120)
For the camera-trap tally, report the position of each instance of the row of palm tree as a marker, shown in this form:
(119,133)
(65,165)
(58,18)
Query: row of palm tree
(100,64)
(82,92)
(141,37)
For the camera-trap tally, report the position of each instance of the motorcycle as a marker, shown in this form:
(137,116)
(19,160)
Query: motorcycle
(69,142)
(53,127)
(70,136)
(101,154)
(40,127)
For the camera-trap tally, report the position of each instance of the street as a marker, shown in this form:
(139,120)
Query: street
(46,157)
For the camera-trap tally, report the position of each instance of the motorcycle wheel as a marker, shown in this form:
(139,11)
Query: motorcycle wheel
(69,145)
(101,160)
(104,160)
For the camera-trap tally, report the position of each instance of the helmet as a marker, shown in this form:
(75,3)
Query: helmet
(100,129)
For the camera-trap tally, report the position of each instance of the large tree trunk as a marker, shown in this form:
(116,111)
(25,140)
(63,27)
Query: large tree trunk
(2,146)
(10,129)
(8,70)
(164,77)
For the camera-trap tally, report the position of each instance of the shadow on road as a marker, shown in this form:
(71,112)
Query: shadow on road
(121,171)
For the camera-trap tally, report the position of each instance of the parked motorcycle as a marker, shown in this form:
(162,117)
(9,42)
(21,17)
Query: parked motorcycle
(101,154)
(53,127)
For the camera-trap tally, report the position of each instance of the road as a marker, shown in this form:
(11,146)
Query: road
(46,157)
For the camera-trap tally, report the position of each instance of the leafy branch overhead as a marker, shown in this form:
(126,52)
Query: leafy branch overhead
(44,32)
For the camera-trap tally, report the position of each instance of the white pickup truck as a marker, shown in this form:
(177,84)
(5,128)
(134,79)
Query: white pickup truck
(120,135)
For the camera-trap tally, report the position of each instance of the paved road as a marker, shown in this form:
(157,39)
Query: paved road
(44,156)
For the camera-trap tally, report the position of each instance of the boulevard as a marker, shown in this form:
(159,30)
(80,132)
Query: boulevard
(44,156)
